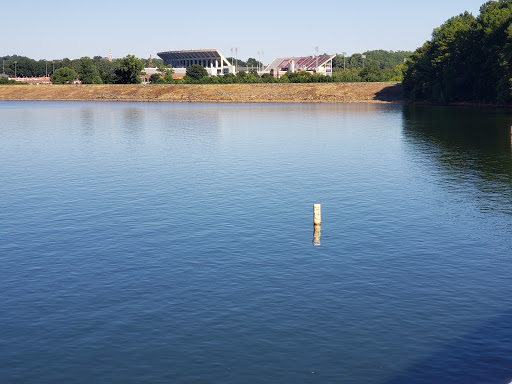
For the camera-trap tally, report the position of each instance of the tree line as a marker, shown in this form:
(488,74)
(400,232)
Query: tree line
(97,70)
(468,59)
(379,66)
(196,74)
(378,58)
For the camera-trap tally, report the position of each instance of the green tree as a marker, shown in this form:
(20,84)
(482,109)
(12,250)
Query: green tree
(444,69)
(196,72)
(87,71)
(228,78)
(241,76)
(128,70)
(154,78)
(64,76)
(378,58)
(268,78)
(106,69)
(251,78)
(252,62)
(165,69)
(5,80)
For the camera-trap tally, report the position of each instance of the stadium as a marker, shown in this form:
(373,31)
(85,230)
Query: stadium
(211,59)
(216,64)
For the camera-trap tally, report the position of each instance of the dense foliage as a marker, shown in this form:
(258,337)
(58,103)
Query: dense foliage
(378,58)
(467,59)
(380,66)
(250,63)
(368,74)
(196,72)
(97,70)
(128,70)
(64,76)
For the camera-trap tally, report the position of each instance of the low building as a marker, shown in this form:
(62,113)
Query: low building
(32,80)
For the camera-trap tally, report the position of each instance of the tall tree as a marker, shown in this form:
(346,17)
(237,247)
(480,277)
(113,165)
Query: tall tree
(87,71)
(64,76)
(128,70)
(196,72)
(467,59)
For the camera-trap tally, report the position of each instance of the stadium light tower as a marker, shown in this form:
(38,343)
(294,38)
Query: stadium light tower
(364,57)
(236,55)
(344,54)
(260,54)
(15,68)
(316,68)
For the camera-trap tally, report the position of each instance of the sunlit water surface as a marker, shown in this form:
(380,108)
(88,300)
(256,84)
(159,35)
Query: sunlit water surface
(155,243)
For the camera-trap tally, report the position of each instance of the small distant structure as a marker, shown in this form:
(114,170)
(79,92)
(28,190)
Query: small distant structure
(110,55)
(181,72)
(321,64)
(32,80)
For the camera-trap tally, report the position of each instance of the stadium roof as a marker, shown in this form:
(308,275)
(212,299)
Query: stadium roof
(306,63)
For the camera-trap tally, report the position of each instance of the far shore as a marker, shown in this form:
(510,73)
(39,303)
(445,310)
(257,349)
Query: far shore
(222,93)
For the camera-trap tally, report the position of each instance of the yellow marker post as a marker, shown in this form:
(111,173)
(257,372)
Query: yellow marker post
(317,214)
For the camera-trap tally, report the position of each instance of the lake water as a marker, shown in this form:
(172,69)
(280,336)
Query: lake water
(157,243)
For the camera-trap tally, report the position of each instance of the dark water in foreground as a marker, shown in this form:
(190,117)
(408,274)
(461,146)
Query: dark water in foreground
(173,244)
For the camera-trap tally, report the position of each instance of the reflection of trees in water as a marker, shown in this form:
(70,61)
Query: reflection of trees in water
(469,146)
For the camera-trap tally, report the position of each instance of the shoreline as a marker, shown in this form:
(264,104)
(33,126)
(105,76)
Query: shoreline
(212,93)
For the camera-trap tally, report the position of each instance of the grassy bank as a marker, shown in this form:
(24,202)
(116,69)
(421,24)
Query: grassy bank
(228,93)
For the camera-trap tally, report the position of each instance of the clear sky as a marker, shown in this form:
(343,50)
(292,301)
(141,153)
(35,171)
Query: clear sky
(58,28)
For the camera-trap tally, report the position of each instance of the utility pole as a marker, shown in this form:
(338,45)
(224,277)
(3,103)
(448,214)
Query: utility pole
(364,57)
(15,68)
(344,54)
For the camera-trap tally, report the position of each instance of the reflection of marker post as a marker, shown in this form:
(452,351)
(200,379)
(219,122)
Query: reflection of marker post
(317,220)
(316,235)
(317,214)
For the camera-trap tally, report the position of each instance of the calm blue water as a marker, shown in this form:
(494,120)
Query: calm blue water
(155,243)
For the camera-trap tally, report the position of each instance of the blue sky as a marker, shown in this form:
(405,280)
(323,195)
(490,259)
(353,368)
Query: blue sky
(61,28)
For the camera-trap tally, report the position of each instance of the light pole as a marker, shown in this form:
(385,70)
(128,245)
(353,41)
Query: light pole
(15,68)
(364,57)
(316,68)
(260,64)
(236,55)
(344,54)
(46,68)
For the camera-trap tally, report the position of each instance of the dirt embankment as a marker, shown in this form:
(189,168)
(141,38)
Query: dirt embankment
(225,93)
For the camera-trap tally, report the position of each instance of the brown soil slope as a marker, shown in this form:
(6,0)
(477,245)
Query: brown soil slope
(226,93)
